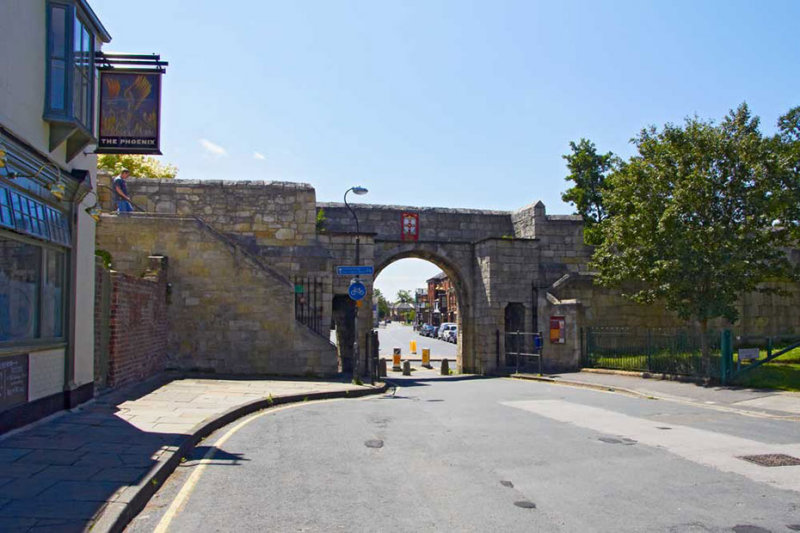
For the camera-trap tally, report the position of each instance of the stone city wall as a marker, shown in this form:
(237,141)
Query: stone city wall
(257,212)
(229,312)
(435,223)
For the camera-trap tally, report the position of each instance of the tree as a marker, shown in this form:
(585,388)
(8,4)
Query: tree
(404,297)
(588,172)
(692,219)
(141,166)
(787,144)
(383,305)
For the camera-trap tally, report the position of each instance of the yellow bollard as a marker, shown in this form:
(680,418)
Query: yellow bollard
(412,347)
(396,360)
(426,357)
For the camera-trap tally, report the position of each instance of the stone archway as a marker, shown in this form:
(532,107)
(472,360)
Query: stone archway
(387,253)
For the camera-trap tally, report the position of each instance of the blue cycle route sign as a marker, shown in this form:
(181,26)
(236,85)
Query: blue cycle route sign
(352,270)
(357,290)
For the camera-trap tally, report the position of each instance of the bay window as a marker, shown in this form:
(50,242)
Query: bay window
(70,82)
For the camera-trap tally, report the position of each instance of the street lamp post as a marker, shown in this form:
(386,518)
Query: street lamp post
(359,191)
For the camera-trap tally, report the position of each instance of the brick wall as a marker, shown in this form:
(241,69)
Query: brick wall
(102,312)
(131,324)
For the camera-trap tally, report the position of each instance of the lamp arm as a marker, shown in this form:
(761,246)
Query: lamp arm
(351,209)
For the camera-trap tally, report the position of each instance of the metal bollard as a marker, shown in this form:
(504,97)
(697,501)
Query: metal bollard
(445,367)
(396,354)
(426,357)
(406,368)
(382,367)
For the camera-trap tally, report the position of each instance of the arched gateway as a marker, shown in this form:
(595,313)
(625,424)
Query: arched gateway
(494,258)
(277,249)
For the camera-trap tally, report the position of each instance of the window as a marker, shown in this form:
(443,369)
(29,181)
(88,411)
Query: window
(32,291)
(26,215)
(70,67)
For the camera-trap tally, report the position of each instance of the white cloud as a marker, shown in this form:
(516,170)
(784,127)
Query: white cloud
(258,156)
(213,149)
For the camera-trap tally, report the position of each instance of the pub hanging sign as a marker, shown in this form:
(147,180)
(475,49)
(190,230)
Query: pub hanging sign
(130,112)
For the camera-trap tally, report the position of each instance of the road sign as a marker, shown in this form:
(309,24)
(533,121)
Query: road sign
(357,290)
(366,270)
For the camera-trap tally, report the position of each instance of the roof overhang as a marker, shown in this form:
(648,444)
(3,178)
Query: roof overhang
(98,27)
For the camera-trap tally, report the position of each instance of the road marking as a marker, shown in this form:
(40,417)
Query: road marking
(716,450)
(183,495)
(652,395)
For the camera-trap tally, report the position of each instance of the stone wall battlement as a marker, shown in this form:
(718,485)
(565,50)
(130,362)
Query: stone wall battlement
(436,224)
(268,213)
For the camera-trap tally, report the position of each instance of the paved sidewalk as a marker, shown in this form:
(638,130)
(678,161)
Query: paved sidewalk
(761,402)
(96,466)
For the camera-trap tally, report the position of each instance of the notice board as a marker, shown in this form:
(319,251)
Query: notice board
(13,381)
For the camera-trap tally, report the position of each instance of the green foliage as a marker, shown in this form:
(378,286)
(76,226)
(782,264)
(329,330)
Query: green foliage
(140,166)
(383,304)
(787,145)
(588,173)
(404,296)
(692,217)
(321,219)
(105,255)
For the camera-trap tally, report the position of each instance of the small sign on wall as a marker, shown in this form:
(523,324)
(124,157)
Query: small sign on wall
(558,330)
(409,226)
(748,354)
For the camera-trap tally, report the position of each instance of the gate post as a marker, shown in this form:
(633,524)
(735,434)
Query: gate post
(726,360)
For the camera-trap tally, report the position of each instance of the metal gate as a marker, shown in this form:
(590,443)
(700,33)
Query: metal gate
(523,351)
(308,303)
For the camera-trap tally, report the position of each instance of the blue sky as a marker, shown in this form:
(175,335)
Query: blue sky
(445,103)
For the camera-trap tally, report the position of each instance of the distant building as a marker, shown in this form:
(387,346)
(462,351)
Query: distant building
(400,310)
(420,306)
(47,264)
(442,300)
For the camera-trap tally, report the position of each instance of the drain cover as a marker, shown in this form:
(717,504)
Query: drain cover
(772,459)
(663,427)
(525,504)
(374,443)
(507,484)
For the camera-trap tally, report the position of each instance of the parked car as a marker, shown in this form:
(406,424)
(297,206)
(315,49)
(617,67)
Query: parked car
(451,335)
(444,328)
(426,330)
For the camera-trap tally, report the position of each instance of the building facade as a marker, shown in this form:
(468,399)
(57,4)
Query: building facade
(47,127)
(442,300)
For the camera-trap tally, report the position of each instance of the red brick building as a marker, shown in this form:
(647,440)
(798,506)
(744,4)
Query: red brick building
(442,302)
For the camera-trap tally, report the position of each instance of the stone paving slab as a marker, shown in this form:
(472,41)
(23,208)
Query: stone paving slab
(96,466)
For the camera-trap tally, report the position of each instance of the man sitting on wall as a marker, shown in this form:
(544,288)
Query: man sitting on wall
(120,190)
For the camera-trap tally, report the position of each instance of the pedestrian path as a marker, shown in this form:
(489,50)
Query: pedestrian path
(96,466)
(761,402)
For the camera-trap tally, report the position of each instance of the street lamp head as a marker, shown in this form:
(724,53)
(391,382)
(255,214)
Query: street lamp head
(361,191)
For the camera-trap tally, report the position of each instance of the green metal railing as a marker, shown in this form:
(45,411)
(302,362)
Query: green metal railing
(657,350)
(766,348)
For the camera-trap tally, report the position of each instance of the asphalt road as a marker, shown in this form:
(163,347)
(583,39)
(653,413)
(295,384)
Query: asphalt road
(461,454)
(399,335)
